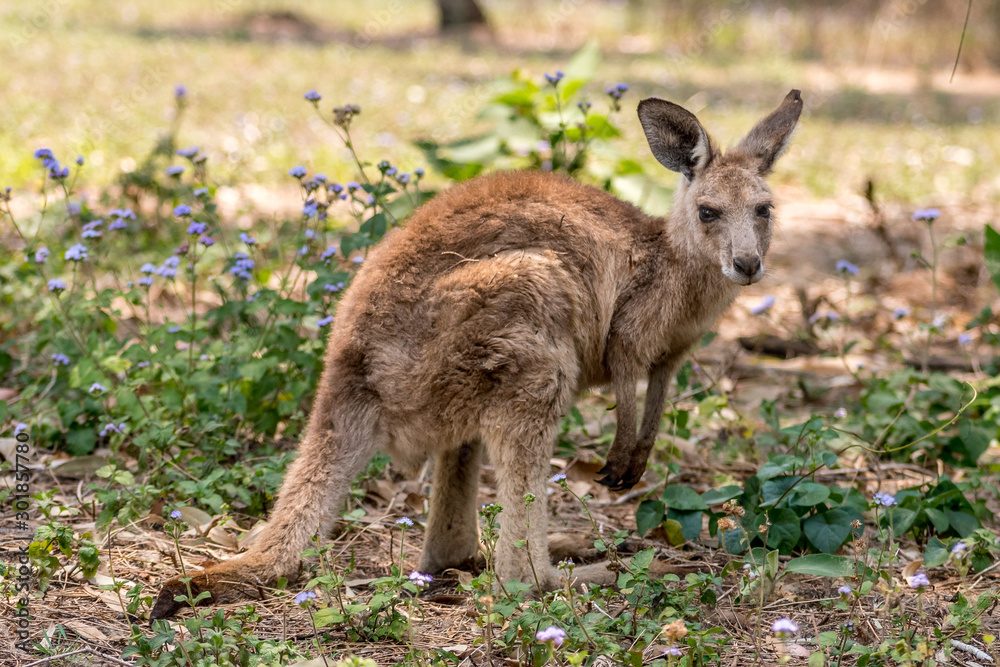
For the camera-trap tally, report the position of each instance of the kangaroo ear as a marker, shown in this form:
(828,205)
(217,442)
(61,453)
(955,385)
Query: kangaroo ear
(769,138)
(675,136)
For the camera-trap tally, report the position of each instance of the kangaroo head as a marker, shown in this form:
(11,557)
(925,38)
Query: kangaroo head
(723,206)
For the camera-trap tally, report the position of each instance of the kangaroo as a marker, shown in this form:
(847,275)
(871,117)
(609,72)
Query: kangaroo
(475,326)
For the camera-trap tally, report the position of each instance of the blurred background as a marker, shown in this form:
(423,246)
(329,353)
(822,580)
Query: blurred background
(97,79)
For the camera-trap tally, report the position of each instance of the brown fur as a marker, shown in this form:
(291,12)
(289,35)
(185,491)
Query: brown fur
(476,325)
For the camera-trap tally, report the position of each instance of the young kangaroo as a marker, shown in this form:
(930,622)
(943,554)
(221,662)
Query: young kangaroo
(476,325)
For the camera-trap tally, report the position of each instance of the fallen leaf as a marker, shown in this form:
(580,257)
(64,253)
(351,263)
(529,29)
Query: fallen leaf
(86,631)
(246,540)
(220,535)
(80,466)
(194,517)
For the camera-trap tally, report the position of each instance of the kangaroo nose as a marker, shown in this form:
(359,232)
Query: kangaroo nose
(748,266)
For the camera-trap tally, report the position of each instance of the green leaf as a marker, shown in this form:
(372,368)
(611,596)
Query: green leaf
(584,62)
(962,523)
(674,531)
(690,522)
(900,518)
(773,489)
(776,465)
(991,254)
(938,518)
(936,553)
(823,565)
(648,515)
(809,494)
(785,530)
(830,529)
(974,440)
(721,495)
(679,497)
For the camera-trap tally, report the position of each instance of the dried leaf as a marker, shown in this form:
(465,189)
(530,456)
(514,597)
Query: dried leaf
(220,535)
(86,631)
(246,540)
(80,466)
(195,517)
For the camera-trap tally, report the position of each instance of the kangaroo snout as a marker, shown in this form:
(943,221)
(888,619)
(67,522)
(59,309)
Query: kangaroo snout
(748,269)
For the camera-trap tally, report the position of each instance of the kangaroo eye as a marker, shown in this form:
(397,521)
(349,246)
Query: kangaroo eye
(764,211)
(706,214)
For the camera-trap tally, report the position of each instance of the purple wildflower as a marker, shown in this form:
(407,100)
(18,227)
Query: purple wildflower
(884,499)
(553,634)
(188,152)
(41,255)
(196,228)
(927,214)
(60,359)
(97,388)
(324,321)
(919,580)
(174,170)
(206,241)
(765,305)
(313,96)
(297,172)
(56,285)
(554,79)
(785,625)
(77,253)
(843,266)
(304,597)
(182,210)
(175,514)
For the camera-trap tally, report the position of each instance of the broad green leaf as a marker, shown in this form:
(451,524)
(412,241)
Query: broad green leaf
(648,515)
(809,494)
(936,553)
(674,531)
(776,465)
(938,518)
(584,62)
(679,497)
(785,530)
(830,529)
(823,565)
(721,495)
(899,519)
(962,523)
(690,522)
(774,489)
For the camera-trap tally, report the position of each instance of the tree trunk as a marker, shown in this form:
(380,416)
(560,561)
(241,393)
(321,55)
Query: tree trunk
(460,15)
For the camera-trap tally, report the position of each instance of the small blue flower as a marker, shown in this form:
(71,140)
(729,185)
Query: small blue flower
(297,172)
(172,262)
(43,153)
(785,625)
(147,268)
(166,271)
(79,160)
(324,321)
(309,234)
(174,170)
(405,521)
(206,241)
(554,79)
(175,514)
(182,210)
(77,253)
(145,281)
(56,285)
(558,478)
(92,234)
(116,224)
(900,313)
(180,91)
(247,239)
(391,171)
(41,255)
(884,499)
(965,338)
(927,214)
(142,364)
(358,259)
(919,580)
(304,597)
(845,590)
(188,152)
(353,185)
(122,213)
(321,178)
(173,329)
(73,208)
(673,651)
(97,388)
(958,549)
(418,172)
(303,251)
(58,173)
(335,188)
(200,192)
(310,209)
(330,287)
(420,579)
(60,359)
(553,634)
(765,305)
(843,266)
(20,428)
(313,96)
(196,228)
(403,178)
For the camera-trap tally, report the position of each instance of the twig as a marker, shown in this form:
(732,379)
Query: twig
(962,646)
(961,39)
(48,660)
